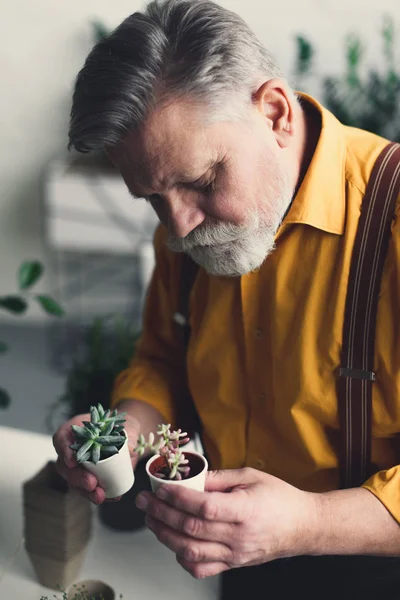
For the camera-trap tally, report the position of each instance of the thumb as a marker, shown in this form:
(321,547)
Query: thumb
(226,479)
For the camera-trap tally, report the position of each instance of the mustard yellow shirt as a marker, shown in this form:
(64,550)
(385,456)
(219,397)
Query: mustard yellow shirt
(265,347)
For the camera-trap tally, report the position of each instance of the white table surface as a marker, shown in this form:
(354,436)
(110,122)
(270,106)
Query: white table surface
(135,564)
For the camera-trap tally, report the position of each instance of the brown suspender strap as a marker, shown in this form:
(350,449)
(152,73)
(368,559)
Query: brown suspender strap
(188,419)
(356,374)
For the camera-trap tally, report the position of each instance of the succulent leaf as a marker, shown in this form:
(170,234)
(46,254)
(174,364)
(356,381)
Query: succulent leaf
(100,410)
(110,439)
(86,457)
(96,453)
(83,449)
(81,432)
(94,415)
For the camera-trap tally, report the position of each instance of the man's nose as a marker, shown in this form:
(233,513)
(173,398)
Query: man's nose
(183,217)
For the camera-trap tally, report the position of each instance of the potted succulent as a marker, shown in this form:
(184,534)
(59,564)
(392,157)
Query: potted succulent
(101,447)
(169,464)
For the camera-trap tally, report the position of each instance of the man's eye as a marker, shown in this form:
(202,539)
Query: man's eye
(207,188)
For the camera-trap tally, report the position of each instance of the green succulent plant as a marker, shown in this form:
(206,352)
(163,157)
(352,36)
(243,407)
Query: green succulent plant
(101,437)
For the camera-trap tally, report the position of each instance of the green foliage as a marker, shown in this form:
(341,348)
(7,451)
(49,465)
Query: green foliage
(50,306)
(304,56)
(28,275)
(100,30)
(108,347)
(99,438)
(367,98)
(4,398)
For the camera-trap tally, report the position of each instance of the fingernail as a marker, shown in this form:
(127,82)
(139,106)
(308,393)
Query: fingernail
(141,502)
(161,493)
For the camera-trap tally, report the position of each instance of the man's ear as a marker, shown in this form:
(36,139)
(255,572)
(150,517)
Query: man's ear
(274,101)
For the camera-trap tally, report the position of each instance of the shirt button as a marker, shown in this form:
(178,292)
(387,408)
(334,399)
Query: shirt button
(260,464)
(258,333)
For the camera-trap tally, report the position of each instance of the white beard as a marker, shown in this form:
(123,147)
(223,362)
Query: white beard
(231,250)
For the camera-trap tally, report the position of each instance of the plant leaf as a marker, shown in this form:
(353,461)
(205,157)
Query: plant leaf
(83,450)
(109,450)
(81,432)
(4,398)
(96,453)
(100,410)
(94,415)
(50,306)
(108,429)
(29,273)
(3,347)
(110,439)
(86,457)
(14,304)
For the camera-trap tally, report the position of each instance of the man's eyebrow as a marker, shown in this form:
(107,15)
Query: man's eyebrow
(212,164)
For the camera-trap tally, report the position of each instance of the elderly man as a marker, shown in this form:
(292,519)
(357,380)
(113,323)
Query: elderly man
(262,188)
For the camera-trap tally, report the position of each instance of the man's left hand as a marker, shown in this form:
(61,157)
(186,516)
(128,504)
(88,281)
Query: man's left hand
(244,517)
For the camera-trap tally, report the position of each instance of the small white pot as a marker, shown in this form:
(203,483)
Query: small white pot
(115,473)
(196,482)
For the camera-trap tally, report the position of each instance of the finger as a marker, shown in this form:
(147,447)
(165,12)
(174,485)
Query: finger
(231,507)
(202,570)
(226,479)
(188,524)
(64,437)
(194,551)
(96,497)
(77,477)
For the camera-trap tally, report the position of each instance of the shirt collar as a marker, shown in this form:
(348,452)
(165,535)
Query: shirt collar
(320,201)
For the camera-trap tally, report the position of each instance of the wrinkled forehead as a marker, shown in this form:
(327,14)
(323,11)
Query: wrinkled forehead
(172,138)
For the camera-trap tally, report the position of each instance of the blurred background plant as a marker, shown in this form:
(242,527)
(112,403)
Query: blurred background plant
(363,96)
(108,345)
(17,304)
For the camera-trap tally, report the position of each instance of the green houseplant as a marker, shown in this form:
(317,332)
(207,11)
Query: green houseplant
(363,96)
(101,447)
(17,304)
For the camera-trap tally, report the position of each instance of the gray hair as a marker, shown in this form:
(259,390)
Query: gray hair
(175,48)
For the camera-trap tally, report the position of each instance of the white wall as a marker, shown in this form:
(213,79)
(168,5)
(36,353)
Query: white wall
(44,44)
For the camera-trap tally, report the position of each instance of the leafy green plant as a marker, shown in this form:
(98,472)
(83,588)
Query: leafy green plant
(17,303)
(368,98)
(167,446)
(107,348)
(99,438)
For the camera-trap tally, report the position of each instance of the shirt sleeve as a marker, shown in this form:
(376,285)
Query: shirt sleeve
(156,372)
(385,485)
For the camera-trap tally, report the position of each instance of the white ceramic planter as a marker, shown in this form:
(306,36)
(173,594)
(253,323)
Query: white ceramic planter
(115,473)
(197,482)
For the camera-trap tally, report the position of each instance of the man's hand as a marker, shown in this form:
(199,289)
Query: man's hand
(77,476)
(245,517)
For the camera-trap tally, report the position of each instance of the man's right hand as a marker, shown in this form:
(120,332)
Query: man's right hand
(77,476)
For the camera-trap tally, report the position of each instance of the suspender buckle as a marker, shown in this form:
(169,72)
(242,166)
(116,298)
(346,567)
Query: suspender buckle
(357,374)
(180,319)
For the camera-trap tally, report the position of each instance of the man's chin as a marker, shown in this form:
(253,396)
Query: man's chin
(224,264)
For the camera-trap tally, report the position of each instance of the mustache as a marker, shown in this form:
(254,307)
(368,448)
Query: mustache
(207,235)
